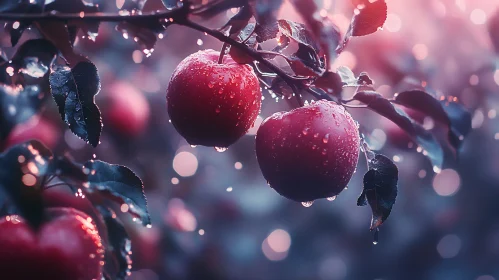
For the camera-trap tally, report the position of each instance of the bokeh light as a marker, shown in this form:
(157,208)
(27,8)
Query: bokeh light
(185,164)
(449,246)
(447,182)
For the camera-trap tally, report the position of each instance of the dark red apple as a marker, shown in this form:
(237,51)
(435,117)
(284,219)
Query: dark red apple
(35,128)
(310,152)
(66,246)
(213,104)
(128,111)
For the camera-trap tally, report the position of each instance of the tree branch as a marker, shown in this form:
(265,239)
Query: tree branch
(110,17)
(178,16)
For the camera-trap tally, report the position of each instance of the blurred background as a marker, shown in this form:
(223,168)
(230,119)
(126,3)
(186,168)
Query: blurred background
(214,217)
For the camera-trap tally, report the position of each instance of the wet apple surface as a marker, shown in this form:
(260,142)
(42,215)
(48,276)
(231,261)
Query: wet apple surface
(213,104)
(310,152)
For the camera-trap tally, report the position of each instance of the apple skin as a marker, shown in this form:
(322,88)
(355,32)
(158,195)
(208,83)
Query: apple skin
(213,104)
(310,152)
(36,128)
(128,111)
(66,246)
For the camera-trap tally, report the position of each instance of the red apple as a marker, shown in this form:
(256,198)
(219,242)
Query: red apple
(35,128)
(54,197)
(128,111)
(310,152)
(213,104)
(66,246)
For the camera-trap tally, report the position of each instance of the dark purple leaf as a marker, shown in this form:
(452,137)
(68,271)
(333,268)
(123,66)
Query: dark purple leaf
(460,120)
(74,92)
(118,250)
(323,28)
(121,183)
(131,5)
(30,159)
(35,57)
(172,4)
(240,21)
(330,82)
(265,11)
(384,107)
(266,31)
(425,103)
(57,33)
(369,18)
(144,32)
(380,189)
(364,79)
(306,62)
(91,28)
(298,32)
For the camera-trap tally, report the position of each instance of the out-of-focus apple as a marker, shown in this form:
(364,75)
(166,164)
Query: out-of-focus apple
(128,110)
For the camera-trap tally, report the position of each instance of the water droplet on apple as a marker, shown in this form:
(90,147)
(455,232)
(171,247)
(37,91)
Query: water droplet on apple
(332,198)
(325,139)
(305,131)
(220,149)
(307,203)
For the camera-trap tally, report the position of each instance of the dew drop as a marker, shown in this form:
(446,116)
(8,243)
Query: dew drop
(307,203)
(325,139)
(376,236)
(220,149)
(211,85)
(316,135)
(305,131)
(332,198)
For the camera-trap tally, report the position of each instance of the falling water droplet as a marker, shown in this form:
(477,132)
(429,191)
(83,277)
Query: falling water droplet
(376,236)
(307,203)
(332,198)
(220,149)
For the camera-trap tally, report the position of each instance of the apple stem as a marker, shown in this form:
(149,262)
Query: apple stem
(222,53)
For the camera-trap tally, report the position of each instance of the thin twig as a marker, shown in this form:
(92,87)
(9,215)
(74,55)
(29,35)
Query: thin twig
(110,17)
(178,16)
(56,185)
(222,53)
